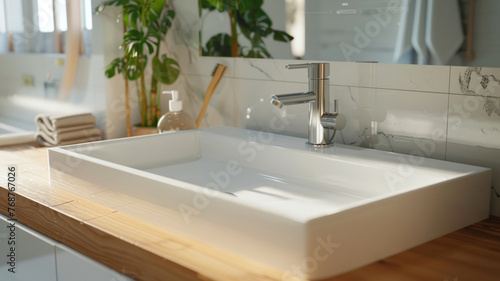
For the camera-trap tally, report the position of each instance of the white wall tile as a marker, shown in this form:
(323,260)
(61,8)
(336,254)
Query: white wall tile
(270,70)
(423,78)
(393,120)
(474,120)
(482,81)
(205,66)
(221,107)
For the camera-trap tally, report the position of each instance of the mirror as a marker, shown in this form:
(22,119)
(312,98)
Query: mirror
(444,32)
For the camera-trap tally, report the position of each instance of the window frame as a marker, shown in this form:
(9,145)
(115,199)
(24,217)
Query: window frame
(33,40)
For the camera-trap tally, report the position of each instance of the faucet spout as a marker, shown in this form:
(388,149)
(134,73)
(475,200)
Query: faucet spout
(290,99)
(321,122)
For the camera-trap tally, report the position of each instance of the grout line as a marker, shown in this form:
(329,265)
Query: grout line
(447,115)
(255,79)
(447,126)
(337,85)
(449,81)
(391,89)
(472,95)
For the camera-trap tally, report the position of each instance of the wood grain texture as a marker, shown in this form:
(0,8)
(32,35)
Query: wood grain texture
(145,252)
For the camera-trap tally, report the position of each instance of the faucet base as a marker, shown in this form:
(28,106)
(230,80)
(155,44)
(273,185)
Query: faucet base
(319,145)
(327,139)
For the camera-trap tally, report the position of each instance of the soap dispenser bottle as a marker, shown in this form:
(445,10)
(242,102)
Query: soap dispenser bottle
(175,119)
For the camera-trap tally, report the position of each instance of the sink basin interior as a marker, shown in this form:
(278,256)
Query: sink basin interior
(296,182)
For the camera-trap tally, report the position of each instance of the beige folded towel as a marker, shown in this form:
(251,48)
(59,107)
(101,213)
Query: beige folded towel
(45,130)
(68,137)
(55,122)
(42,142)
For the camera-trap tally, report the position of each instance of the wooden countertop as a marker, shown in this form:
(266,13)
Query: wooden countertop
(145,252)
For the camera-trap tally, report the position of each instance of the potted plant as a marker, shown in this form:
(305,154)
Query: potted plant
(145,25)
(247,18)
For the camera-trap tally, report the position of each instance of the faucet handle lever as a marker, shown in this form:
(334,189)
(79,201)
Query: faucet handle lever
(315,70)
(297,65)
(335,120)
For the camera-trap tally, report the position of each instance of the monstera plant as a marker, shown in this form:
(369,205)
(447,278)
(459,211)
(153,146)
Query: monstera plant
(246,18)
(145,23)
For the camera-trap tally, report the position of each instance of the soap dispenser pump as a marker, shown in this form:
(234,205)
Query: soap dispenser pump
(175,119)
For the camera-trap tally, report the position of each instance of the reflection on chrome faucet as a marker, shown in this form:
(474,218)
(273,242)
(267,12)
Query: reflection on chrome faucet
(321,122)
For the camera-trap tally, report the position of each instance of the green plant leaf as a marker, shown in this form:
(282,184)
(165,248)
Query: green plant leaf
(165,22)
(133,73)
(151,49)
(135,66)
(250,4)
(204,4)
(105,4)
(171,14)
(218,45)
(223,5)
(255,21)
(165,70)
(136,40)
(133,35)
(133,20)
(282,36)
(109,73)
(155,10)
(153,35)
(116,65)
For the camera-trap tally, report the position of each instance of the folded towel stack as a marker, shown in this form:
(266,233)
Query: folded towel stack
(56,130)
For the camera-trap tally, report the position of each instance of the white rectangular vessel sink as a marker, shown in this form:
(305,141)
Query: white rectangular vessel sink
(308,212)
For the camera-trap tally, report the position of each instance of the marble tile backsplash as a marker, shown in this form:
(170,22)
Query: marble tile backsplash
(443,112)
(479,81)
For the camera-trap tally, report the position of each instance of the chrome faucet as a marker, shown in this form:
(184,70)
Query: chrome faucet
(321,122)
